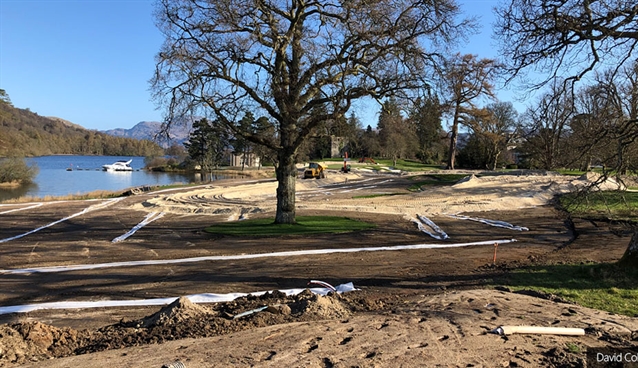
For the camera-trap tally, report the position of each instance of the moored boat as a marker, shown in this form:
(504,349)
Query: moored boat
(120,165)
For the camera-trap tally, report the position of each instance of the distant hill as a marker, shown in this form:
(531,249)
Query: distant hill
(25,133)
(66,122)
(150,130)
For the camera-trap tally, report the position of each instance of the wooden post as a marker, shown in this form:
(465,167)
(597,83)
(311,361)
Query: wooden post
(495,247)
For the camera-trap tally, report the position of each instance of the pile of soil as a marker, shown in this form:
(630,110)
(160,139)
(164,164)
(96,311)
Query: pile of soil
(362,328)
(35,341)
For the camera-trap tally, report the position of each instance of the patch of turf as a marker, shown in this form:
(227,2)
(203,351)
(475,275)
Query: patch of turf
(407,165)
(305,225)
(378,195)
(605,287)
(613,205)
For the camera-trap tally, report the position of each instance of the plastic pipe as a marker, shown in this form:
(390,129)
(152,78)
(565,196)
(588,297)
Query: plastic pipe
(566,331)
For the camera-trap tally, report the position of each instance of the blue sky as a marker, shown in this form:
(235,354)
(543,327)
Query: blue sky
(89,61)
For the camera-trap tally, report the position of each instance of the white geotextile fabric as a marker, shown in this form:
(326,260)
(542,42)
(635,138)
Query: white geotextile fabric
(422,221)
(495,223)
(86,210)
(147,220)
(195,298)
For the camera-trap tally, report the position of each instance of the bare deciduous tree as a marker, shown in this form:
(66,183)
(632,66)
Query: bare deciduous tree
(495,127)
(569,39)
(285,59)
(566,39)
(465,80)
(546,126)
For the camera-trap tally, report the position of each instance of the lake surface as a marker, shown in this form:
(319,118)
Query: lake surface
(86,176)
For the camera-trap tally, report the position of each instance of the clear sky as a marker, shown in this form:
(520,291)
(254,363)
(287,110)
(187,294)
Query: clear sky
(89,61)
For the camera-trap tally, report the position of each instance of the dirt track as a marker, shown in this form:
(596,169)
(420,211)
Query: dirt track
(86,239)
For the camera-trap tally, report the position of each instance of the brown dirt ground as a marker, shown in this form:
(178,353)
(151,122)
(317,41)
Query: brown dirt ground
(415,307)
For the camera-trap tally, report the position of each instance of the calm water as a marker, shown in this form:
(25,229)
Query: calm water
(87,176)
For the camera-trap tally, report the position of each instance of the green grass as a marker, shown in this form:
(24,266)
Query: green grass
(408,165)
(434,179)
(378,195)
(305,225)
(570,172)
(335,166)
(614,205)
(600,286)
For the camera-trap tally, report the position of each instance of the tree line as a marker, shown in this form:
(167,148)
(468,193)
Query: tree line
(586,129)
(25,133)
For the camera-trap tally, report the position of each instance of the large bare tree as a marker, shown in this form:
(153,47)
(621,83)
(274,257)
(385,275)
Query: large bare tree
(466,79)
(285,59)
(568,39)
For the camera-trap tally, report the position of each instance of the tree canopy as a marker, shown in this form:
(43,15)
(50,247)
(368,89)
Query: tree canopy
(289,59)
(566,38)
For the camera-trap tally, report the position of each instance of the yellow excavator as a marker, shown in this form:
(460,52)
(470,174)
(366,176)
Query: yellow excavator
(315,170)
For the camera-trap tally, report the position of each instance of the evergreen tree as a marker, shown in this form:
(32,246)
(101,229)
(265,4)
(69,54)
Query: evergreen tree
(207,144)
(425,116)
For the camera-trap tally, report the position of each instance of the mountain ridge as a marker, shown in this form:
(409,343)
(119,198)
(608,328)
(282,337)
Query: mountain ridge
(151,130)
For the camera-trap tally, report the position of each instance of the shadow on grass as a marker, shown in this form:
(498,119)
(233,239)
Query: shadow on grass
(600,286)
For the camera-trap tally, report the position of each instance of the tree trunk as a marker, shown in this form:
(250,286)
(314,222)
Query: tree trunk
(630,258)
(495,160)
(455,132)
(286,177)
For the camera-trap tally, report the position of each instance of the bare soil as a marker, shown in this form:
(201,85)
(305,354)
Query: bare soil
(415,307)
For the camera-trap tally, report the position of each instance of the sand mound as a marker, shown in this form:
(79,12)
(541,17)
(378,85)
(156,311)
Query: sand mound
(599,182)
(468,181)
(175,313)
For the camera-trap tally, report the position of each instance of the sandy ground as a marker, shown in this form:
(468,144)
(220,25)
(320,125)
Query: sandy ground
(420,307)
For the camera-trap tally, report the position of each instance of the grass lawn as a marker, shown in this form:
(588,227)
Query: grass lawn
(305,225)
(378,195)
(600,286)
(606,287)
(408,165)
(614,205)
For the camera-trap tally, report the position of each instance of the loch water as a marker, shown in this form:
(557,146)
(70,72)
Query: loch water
(85,175)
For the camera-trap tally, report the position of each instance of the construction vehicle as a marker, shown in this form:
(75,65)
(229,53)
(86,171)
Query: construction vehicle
(315,170)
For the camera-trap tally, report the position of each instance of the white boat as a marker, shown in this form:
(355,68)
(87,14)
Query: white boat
(118,166)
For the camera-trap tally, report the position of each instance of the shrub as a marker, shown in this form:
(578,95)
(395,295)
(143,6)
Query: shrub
(16,170)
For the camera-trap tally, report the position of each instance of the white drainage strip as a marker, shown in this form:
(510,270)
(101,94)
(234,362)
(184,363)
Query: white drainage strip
(147,220)
(195,298)
(294,253)
(86,210)
(23,208)
(495,223)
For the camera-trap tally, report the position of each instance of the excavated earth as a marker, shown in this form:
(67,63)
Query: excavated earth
(419,307)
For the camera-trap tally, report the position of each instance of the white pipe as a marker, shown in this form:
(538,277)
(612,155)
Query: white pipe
(565,331)
(244,256)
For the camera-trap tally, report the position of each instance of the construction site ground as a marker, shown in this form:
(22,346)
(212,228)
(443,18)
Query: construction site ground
(421,307)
